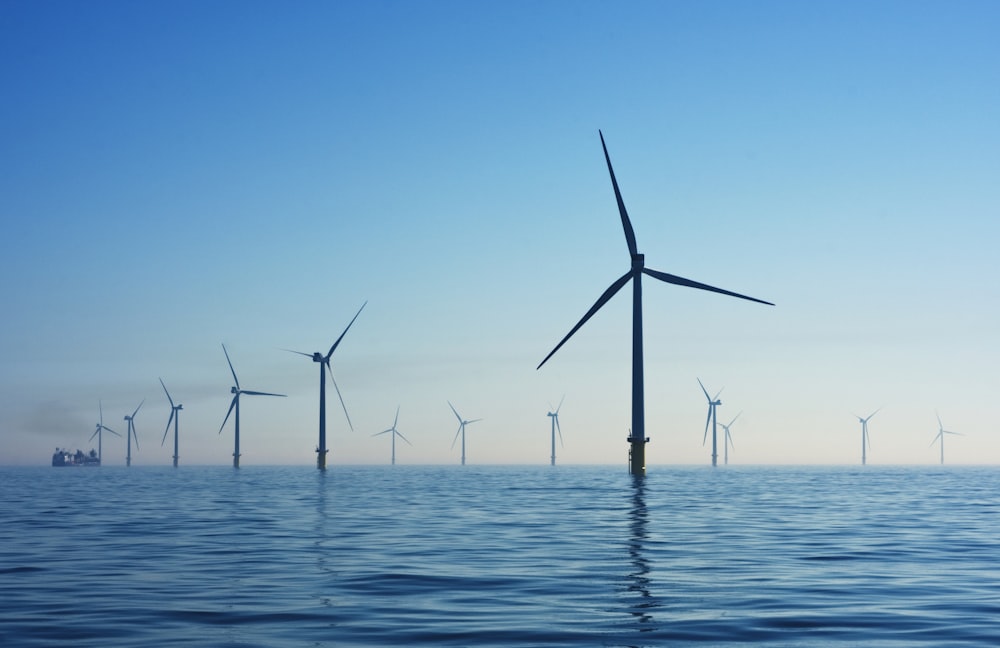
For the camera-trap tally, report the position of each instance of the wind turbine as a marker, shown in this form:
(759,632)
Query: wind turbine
(555,426)
(395,433)
(712,404)
(865,439)
(100,427)
(324,361)
(461,429)
(175,416)
(637,436)
(728,440)
(236,391)
(940,435)
(131,435)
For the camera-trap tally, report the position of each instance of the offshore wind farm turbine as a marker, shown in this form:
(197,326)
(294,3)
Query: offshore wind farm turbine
(101,427)
(555,426)
(940,436)
(236,391)
(461,429)
(712,404)
(727,440)
(865,439)
(175,417)
(637,435)
(395,433)
(131,435)
(324,362)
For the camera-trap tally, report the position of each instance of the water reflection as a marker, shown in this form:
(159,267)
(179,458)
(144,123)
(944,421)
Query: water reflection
(638,580)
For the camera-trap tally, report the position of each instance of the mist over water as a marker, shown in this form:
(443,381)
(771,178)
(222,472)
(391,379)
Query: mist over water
(499,556)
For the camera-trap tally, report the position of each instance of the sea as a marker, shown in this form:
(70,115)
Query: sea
(500,556)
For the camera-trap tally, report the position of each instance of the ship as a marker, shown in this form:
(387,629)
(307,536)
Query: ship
(63,457)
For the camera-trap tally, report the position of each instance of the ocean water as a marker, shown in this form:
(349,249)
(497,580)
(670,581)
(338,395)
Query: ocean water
(499,556)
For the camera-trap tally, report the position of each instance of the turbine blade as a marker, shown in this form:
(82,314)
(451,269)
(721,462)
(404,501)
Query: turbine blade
(135,436)
(107,429)
(936,437)
(717,394)
(396,420)
(169,421)
(93,435)
(400,435)
(873,414)
(100,408)
(603,299)
(235,379)
(940,424)
(559,408)
(337,389)
(456,437)
(332,348)
(301,353)
(257,393)
(455,410)
(559,430)
(626,223)
(704,390)
(167,393)
(729,439)
(473,421)
(735,417)
(382,432)
(707,421)
(137,409)
(681,281)
(231,406)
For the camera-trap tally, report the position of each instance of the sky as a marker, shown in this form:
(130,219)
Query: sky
(179,175)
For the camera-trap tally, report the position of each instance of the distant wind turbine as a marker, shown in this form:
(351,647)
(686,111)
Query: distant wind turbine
(131,435)
(394,433)
(175,416)
(236,391)
(865,439)
(637,436)
(555,426)
(101,427)
(461,429)
(324,361)
(712,404)
(940,436)
(728,439)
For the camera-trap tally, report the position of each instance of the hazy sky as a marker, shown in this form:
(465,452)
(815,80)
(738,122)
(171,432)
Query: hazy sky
(175,175)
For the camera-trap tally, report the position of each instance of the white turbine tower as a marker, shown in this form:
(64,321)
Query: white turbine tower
(727,440)
(637,436)
(461,429)
(940,436)
(394,433)
(131,435)
(554,415)
(865,439)
(712,404)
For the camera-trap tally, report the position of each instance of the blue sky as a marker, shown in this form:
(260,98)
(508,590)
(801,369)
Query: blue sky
(179,175)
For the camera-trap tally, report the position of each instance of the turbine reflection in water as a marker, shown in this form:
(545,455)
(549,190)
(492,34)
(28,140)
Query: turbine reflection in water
(638,581)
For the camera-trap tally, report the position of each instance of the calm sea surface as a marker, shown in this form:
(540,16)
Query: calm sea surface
(499,556)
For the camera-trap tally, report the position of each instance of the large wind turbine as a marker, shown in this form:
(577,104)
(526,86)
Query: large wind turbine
(100,427)
(324,361)
(940,435)
(461,429)
(865,439)
(727,441)
(175,416)
(555,426)
(395,433)
(712,404)
(131,435)
(637,436)
(236,391)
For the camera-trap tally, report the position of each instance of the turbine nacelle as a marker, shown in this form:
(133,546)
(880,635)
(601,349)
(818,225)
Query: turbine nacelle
(234,390)
(638,262)
(318,357)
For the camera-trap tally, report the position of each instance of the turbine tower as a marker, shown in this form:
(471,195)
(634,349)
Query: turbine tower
(395,433)
(637,436)
(324,362)
(555,426)
(940,436)
(131,435)
(712,404)
(175,416)
(728,438)
(865,439)
(100,427)
(236,391)
(461,429)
